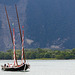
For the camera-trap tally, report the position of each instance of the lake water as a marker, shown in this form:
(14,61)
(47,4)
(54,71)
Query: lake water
(44,67)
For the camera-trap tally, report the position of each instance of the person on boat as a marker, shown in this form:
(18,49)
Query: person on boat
(9,65)
(4,65)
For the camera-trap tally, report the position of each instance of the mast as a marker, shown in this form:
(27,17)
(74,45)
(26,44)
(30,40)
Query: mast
(21,35)
(14,46)
(14,51)
(11,35)
(22,44)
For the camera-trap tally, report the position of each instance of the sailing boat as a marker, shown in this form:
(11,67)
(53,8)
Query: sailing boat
(15,66)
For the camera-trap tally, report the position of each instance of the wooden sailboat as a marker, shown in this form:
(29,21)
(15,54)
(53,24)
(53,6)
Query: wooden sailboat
(15,66)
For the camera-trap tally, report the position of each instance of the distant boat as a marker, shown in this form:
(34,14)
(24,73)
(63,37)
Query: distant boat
(15,66)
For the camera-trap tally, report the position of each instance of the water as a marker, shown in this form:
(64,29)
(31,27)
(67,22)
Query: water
(44,67)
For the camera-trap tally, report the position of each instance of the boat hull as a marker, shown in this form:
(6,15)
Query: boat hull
(20,68)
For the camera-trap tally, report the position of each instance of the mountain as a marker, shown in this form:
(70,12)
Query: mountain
(47,23)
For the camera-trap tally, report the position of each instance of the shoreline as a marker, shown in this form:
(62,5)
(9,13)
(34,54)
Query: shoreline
(42,59)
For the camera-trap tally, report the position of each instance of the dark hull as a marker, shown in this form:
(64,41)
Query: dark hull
(22,67)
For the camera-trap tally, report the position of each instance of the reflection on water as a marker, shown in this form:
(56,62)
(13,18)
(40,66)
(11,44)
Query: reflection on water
(44,67)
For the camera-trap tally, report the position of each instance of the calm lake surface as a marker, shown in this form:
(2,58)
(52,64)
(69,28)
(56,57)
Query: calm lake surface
(44,67)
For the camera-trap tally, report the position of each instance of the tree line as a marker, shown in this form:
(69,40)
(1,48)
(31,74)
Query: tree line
(40,53)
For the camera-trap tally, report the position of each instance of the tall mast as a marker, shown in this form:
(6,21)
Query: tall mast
(11,33)
(23,44)
(23,53)
(14,51)
(14,46)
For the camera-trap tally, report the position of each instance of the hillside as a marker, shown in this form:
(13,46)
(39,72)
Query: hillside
(47,23)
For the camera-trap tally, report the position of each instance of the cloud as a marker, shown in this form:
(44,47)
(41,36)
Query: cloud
(29,41)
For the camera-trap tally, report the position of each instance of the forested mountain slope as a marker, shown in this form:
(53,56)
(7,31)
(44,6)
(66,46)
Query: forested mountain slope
(47,23)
